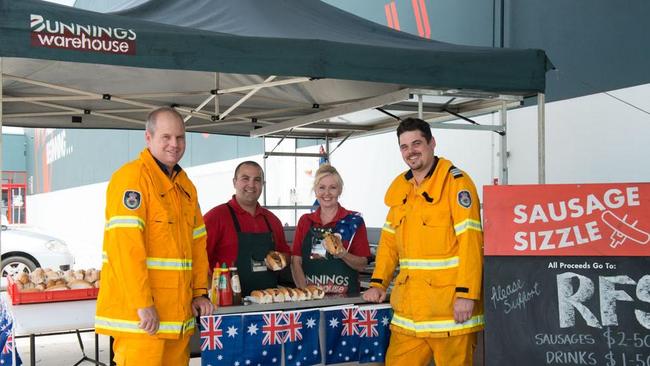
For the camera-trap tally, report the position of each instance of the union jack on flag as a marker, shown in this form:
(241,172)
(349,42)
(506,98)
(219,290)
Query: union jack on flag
(9,345)
(273,329)
(367,324)
(211,333)
(349,322)
(293,325)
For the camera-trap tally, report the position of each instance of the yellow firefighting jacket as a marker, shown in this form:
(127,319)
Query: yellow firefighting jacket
(154,251)
(433,231)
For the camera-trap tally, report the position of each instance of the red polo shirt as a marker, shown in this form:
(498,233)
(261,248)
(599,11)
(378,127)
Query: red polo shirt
(222,242)
(359,246)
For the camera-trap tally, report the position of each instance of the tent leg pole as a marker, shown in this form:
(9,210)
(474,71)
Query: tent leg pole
(1,102)
(503,116)
(216,95)
(420,113)
(541,139)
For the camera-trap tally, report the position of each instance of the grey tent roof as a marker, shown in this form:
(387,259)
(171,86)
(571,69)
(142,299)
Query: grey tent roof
(320,61)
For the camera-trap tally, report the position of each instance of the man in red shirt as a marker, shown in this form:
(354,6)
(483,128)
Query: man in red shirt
(243,232)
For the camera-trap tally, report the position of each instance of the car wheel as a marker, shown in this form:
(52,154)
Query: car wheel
(16,264)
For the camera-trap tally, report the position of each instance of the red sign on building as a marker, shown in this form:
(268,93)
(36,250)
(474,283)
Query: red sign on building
(567,220)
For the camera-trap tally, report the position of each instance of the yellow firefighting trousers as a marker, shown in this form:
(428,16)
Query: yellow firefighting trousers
(152,351)
(448,351)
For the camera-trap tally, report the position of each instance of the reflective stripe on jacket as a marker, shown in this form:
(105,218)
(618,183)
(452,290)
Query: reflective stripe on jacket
(154,250)
(433,231)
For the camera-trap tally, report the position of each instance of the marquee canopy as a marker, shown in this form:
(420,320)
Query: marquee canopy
(246,67)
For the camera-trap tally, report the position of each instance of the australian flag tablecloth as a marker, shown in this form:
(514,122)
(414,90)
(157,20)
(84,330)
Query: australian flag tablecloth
(351,333)
(357,334)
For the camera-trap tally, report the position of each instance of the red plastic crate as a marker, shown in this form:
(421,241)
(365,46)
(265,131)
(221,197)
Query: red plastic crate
(18,297)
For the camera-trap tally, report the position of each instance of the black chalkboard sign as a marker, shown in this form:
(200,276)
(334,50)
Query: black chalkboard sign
(567,311)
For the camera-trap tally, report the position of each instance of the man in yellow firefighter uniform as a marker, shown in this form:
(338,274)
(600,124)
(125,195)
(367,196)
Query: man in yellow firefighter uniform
(155,266)
(433,231)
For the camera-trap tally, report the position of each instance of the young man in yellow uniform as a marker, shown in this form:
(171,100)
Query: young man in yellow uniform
(155,265)
(433,231)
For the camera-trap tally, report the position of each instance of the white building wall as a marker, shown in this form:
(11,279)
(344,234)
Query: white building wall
(591,139)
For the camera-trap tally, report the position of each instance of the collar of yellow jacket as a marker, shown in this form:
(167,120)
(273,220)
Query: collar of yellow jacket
(401,186)
(161,180)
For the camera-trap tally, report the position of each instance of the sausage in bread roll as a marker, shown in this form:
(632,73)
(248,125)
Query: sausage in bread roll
(260,297)
(333,244)
(278,296)
(316,292)
(275,261)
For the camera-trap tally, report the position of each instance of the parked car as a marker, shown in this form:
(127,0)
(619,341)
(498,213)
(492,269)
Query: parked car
(24,250)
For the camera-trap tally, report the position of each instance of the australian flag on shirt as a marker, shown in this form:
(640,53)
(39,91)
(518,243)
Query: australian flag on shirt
(374,332)
(263,338)
(348,225)
(301,339)
(341,335)
(221,339)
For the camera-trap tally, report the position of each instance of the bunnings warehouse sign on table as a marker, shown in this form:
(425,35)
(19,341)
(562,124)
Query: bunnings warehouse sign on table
(567,274)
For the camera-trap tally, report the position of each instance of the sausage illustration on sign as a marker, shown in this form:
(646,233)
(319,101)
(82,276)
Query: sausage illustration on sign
(623,230)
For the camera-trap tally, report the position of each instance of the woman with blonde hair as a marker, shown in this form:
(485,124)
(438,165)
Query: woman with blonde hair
(330,245)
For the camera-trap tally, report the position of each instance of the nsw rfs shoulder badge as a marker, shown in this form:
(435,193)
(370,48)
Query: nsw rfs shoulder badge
(464,199)
(132,199)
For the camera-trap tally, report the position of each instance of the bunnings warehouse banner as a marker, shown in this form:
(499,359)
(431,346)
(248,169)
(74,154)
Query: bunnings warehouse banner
(567,274)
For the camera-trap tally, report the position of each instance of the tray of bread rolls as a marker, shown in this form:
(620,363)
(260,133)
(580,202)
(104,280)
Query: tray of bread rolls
(285,294)
(47,285)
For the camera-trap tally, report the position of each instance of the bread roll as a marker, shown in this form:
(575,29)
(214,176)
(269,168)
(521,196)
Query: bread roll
(51,275)
(78,284)
(68,275)
(96,284)
(33,289)
(277,295)
(333,244)
(306,292)
(79,274)
(57,288)
(285,292)
(260,297)
(293,294)
(316,292)
(92,275)
(37,276)
(22,277)
(275,261)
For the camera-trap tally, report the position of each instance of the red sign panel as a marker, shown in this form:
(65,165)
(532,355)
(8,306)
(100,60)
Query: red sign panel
(567,219)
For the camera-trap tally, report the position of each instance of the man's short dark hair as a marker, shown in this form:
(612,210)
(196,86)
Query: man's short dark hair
(251,163)
(413,124)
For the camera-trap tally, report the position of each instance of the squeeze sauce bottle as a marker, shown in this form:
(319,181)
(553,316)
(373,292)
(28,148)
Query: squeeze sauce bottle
(235,285)
(214,289)
(225,290)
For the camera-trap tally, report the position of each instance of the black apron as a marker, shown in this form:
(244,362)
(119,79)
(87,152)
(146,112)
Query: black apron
(331,273)
(253,247)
